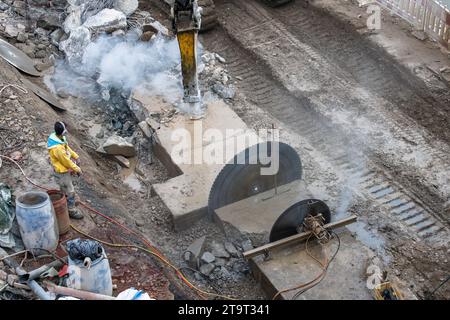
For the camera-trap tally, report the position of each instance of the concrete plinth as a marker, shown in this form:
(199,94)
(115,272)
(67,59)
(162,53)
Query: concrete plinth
(186,194)
(258,213)
(292,266)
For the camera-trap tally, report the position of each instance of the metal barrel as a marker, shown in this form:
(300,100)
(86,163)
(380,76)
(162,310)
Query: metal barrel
(59,202)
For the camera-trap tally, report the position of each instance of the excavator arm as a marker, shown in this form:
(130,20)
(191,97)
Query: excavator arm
(186,21)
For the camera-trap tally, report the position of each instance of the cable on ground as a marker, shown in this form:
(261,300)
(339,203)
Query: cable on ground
(152,251)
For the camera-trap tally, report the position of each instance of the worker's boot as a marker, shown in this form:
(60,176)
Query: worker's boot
(73,213)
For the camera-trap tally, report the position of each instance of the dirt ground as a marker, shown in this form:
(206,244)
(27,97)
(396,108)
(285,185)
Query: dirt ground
(365,110)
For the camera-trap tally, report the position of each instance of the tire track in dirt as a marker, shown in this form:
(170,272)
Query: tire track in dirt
(261,88)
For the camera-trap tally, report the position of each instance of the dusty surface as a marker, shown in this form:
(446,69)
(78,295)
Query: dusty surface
(368,122)
(360,120)
(294,265)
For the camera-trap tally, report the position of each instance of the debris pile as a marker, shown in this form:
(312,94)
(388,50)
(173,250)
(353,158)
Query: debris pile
(218,261)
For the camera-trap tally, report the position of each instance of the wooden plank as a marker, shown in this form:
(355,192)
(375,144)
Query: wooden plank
(296,238)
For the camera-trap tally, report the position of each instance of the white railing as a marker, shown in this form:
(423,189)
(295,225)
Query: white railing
(427,15)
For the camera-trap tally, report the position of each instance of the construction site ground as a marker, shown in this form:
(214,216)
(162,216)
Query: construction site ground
(367,111)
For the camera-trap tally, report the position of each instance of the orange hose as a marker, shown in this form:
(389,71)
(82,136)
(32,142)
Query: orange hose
(143,239)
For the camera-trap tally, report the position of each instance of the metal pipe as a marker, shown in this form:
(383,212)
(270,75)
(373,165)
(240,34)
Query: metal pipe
(35,287)
(34,274)
(86,295)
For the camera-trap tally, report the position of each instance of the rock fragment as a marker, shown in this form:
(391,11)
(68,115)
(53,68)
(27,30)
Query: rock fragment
(116,145)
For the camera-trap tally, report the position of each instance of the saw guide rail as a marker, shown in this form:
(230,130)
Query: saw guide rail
(295,239)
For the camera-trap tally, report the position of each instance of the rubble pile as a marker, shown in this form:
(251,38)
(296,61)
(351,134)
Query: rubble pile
(222,262)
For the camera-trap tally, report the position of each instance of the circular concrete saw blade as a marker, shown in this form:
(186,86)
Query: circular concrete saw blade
(290,222)
(239,181)
(44,95)
(17,58)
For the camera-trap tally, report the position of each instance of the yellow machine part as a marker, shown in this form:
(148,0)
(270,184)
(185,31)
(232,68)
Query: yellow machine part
(187,41)
(395,293)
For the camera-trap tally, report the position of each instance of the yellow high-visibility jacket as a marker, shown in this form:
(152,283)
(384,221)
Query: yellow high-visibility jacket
(61,154)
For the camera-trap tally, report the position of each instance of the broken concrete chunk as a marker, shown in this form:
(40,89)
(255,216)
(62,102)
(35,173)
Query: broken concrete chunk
(421,35)
(116,145)
(128,7)
(124,162)
(206,269)
(145,129)
(155,125)
(220,58)
(220,262)
(12,31)
(56,36)
(74,46)
(161,29)
(223,91)
(3,6)
(231,249)
(246,245)
(147,36)
(208,257)
(107,20)
(241,267)
(195,250)
(218,250)
(118,33)
(73,20)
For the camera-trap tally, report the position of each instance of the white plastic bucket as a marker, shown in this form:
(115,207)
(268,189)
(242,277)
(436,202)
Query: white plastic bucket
(94,276)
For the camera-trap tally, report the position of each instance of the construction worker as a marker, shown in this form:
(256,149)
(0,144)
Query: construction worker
(65,164)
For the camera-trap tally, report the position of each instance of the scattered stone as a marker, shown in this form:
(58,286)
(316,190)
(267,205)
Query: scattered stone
(220,262)
(207,257)
(11,31)
(160,28)
(22,37)
(100,134)
(206,269)
(40,54)
(3,6)
(231,249)
(128,7)
(155,125)
(246,245)
(241,267)
(116,145)
(73,20)
(224,274)
(147,36)
(118,33)
(56,36)
(218,250)
(198,276)
(124,162)
(74,46)
(125,260)
(139,222)
(224,92)
(107,20)
(220,58)
(43,66)
(16,156)
(145,129)
(421,35)
(195,250)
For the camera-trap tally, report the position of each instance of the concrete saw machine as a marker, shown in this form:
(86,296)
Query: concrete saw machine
(281,199)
